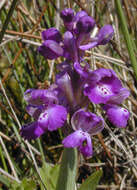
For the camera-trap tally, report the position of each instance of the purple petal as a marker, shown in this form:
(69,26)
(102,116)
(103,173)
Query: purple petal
(50,49)
(85,24)
(34,111)
(57,117)
(51,34)
(108,77)
(70,45)
(119,97)
(86,148)
(106,86)
(53,118)
(62,99)
(74,139)
(105,34)
(64,66)
(88,46)
(40,96)
(82,71)
(79,15)
(64,83)
(79,139)
(83,28)
(118,116)
(67,15)
(87,122)
(98,94)
(31,131)
(105,73)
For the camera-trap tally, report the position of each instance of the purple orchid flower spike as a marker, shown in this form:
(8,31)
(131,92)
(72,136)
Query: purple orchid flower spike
(104,87)
(50,49)
(51,118)
(117,115)
(85,124)
(51,34)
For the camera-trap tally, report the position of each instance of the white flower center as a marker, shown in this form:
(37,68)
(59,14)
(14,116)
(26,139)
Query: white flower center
(124,110)
(43,116)
(104,90)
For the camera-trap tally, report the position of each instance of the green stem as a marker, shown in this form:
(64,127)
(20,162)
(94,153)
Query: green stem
(3,160)
(41,150)
(127,37)
(5,25)
(68,170)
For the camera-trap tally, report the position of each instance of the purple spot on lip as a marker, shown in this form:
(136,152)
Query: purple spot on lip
(44,115)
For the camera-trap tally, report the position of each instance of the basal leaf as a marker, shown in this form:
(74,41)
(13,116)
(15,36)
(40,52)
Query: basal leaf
(92,181)
(68,170)
(46,177)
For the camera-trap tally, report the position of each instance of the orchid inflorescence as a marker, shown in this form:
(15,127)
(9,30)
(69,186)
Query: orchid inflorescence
(76,86)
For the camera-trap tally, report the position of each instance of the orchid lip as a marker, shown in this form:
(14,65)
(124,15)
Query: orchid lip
(103,90)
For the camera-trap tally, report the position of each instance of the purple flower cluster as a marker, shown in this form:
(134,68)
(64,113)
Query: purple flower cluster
(76,86)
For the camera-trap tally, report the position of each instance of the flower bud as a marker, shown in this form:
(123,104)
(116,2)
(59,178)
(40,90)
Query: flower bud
(51,34)
(50,49)
(105,34)
(85,24)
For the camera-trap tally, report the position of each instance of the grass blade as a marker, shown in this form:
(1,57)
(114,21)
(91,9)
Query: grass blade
(126,35)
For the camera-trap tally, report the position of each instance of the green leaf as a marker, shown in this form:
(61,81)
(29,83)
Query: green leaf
(92,181)
(5,180)
(16,186)
(50,175)
(28,184)
(46,177)
(68,170)
(53,176)
(54,173)
(24,185)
